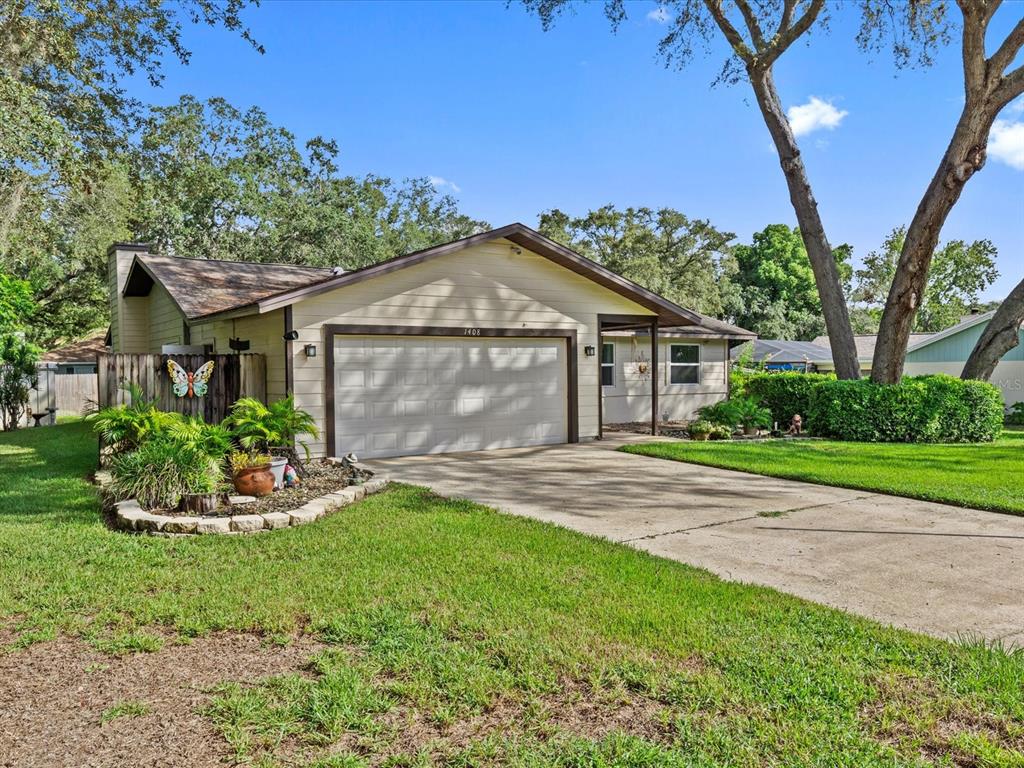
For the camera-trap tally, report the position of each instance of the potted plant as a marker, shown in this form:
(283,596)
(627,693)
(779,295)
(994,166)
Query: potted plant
(751,415)
(250,473)
(699,430)
(272,429)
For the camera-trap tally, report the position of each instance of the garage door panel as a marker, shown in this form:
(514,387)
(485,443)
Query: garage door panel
(403,395)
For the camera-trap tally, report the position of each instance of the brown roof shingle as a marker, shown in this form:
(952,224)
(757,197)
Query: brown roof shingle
(204,286)
(81,351)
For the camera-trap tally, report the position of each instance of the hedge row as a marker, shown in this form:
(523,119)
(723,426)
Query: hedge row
(920,409)
(785,394)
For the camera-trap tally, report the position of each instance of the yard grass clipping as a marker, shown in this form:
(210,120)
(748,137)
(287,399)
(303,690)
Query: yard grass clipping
(458,635)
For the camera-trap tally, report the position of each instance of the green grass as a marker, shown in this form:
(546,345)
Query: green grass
(457,635)
(987,476)
(122,709)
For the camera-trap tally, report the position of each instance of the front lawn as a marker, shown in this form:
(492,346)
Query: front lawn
(459,636)
(985,476)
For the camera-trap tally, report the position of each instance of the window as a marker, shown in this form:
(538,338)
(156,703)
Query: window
(684,364)
(608,364)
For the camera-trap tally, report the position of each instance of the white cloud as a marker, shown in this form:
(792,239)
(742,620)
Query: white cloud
(1006,143)
(814,115)
(1016,107)
(659,15)
(440,182)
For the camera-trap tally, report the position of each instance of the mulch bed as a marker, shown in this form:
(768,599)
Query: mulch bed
(53,696)
(321,478)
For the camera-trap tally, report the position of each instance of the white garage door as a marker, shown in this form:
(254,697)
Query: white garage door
(401,395)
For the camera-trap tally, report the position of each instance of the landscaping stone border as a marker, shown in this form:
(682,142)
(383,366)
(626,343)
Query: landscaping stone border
(130,516)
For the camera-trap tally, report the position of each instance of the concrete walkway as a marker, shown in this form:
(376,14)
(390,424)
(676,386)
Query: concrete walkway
(933,568)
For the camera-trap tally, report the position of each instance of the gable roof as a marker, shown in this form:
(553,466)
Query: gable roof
(781,351)
(865,343)
(208,286)
(203,288)
(81,351)
(968,322)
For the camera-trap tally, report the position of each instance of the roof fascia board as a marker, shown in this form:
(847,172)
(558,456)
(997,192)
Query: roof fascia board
(953,330)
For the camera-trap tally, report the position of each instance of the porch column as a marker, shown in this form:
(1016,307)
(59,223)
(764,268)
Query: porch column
(655,379)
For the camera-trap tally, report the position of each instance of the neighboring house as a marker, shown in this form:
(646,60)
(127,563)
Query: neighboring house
(779,355)
(78,356)
(948,350)
(492,341)
(865,343)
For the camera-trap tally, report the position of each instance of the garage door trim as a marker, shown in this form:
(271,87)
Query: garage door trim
(461,332)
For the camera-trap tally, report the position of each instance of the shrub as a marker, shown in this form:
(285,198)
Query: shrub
(720,432)
(784,394)
(126,427)
(160,471)
(262,427)
(698,430)
(1015,413)
(922,409)
(750,414)
(17,376)
(722,413)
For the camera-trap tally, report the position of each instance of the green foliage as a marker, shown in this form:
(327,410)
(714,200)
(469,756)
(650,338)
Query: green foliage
(959,274)
(128,709)
(126,427)
(700,429)
(923,409)
(776,295)
(723,413)
(784,393)
(18,361)
(212,439)
(1015,413)
(239,460)
(262,427)
(16,303)
(160,471)
(742,368)
(687,261)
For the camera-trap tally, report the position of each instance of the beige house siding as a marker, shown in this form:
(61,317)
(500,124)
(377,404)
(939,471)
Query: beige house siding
(129,316)
(264,334)
(166,322)
(629,398)
(485,286)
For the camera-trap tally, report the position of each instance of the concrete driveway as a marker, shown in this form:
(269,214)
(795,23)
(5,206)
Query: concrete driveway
(933,568)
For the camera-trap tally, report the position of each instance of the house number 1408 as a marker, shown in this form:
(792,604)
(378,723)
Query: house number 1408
(471,331)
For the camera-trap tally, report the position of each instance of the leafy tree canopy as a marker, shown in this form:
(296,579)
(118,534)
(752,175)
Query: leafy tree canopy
(775,293)
(960,271)
(16,304)
(685,260)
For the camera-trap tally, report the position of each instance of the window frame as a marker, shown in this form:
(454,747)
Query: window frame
(602,364)
(698,365)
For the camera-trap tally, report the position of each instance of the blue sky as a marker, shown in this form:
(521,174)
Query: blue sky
(514,121)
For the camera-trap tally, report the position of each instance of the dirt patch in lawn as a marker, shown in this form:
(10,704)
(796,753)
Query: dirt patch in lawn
(914,717)
(54,697)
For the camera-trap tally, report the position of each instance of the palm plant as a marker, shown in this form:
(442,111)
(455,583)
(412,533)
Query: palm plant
(124,427)
(263,427)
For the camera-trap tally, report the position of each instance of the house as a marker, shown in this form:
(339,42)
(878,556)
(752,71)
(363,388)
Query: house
(780,355)
(501,339)
(865,343)
(948,350)
(78,356)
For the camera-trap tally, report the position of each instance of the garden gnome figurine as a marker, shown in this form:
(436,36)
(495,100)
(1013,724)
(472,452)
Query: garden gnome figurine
(796,426)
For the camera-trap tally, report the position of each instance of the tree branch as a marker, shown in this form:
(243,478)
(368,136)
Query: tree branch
(973,48)
(750,19)
(1009,88)
(1008,51)
(732,35)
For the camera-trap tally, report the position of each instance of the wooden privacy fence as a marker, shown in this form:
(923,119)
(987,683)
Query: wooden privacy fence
(70,393)
(234,376)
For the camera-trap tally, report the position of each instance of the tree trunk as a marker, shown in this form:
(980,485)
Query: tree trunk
(963,158)
(1000,336)
(823,264)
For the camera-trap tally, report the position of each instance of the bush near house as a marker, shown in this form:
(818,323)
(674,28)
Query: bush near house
(921,409)
(785,394)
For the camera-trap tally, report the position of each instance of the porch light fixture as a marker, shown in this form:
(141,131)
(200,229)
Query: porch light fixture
(589,350)
(290,335)
(310,350)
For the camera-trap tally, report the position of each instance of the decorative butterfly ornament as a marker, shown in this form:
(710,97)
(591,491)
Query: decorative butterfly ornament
(186,383)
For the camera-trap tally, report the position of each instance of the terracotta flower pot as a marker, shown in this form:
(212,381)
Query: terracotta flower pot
(254,481)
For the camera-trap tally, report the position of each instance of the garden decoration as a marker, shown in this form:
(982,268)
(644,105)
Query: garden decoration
(796,427)
(251,474)
(188,383)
